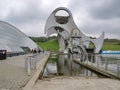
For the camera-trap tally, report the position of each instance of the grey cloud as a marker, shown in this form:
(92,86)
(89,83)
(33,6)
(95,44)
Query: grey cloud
(100,16)
(106,10)
(30,13)
(93,28)
(98,9)
(77,5)
(92,16)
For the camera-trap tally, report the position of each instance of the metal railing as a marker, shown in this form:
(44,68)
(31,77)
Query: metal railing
(31,63)
(105,62)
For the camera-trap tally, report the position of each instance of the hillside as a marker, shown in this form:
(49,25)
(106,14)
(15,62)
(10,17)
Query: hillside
(52,44)
(49,45)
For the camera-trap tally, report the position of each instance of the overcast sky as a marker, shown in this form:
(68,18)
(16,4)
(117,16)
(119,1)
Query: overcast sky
(91,16)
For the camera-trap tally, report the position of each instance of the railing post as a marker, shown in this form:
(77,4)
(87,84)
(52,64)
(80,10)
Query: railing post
(86,72)
(30,62)
(97,60)
(106,66)
(91,59)
(25,62)
(34,62)
(28,66)
(118,66)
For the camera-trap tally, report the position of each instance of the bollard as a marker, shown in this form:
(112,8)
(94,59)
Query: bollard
(26,63)
(28,67)
(30,63)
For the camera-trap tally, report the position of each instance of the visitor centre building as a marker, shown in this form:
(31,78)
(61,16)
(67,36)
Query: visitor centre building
(14,41)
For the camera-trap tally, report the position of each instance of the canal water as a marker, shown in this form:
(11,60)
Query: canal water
(63,65)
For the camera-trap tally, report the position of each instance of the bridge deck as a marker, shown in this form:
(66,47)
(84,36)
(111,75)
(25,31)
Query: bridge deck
(13,75)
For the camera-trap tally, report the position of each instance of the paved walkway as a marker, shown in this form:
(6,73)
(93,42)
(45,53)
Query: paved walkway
(13,75)
(77,83)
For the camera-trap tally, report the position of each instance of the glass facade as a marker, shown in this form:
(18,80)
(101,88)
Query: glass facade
(13,40)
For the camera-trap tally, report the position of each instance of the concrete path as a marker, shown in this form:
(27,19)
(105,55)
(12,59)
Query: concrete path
(77,83)
(13,75)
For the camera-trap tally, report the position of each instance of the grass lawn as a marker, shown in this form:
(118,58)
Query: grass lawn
(54,46)
(110,46)
(49,45)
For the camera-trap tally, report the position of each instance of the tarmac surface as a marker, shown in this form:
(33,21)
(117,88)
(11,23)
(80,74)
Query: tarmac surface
(13,75)
(77,83)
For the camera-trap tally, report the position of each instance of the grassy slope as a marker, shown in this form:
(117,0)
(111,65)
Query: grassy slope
(49,45)
(53,45)
(110,46)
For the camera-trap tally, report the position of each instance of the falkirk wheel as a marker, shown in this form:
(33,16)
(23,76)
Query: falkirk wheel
(70,38)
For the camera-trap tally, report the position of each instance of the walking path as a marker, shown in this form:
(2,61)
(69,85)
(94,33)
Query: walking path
(13,75)
(77,83)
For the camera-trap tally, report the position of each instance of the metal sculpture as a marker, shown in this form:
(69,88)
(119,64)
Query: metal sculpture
(71,39)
